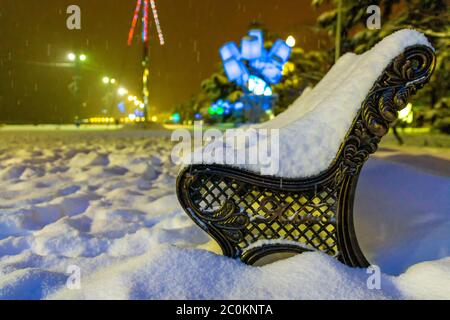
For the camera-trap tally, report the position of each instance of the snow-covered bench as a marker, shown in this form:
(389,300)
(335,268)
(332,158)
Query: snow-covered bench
(325,137)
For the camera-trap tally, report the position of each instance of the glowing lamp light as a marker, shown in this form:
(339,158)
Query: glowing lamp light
(71,56)
(122,91)
(105,80)
(131,98)
(154,119)
(112,81)
(406,114)
(83,57)
(132,116)
(290,41)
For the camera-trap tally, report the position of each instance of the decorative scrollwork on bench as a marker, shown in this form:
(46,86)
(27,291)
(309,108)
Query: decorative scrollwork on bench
(409,72)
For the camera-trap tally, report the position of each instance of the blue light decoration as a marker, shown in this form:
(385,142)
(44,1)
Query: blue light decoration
(230,50)
(139,113)
(238,105)
(253,68)
(251,48)
(259,87)
(280,52)
(236,71)
(224,107)
(198,116)
(253,59)
(121,107)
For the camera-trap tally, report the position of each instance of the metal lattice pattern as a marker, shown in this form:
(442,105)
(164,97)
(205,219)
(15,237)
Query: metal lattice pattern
(306,217)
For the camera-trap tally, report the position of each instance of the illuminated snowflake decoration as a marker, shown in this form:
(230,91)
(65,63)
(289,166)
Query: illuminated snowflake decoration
(252,66)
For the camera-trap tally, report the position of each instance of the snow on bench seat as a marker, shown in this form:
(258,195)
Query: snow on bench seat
(313,128)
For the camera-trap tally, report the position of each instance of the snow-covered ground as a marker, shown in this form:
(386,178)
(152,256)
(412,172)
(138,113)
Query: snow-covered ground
(104,201)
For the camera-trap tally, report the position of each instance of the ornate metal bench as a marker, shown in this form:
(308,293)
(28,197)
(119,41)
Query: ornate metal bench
(252,216)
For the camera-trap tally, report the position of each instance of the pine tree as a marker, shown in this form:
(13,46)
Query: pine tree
(430,17)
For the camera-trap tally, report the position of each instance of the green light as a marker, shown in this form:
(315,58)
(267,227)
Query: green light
(211,111)
(176,117)
(220,111)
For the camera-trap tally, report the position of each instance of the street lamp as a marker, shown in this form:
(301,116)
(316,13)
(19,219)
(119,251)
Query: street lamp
(76,62)
(290,41)
(122,91)
(71,56)
(113,92)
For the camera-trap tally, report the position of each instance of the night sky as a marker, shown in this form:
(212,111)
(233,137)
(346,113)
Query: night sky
(34,43)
